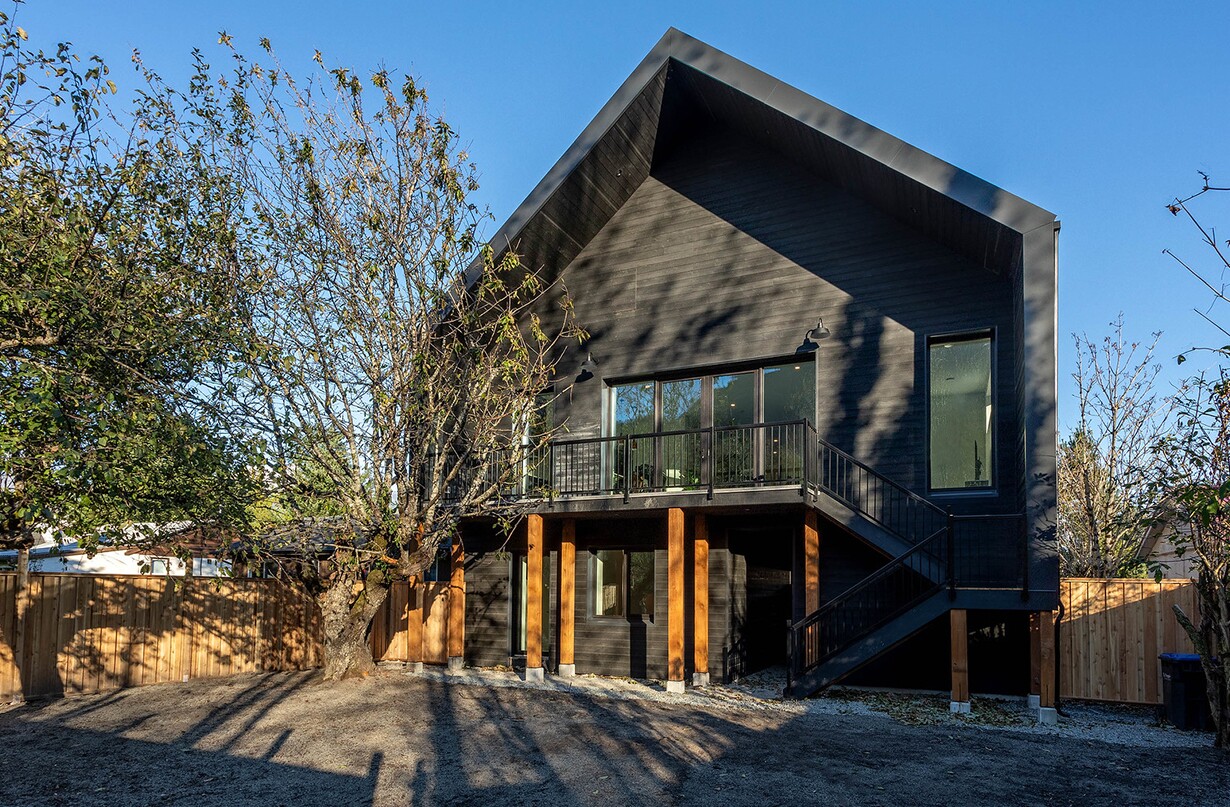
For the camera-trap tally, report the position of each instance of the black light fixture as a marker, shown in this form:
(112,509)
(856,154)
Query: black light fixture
(588,369)
(813,336)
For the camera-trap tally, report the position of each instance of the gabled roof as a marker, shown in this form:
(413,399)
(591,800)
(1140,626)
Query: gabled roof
(684,84)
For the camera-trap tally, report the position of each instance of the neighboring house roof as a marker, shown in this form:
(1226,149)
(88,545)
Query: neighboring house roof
(1160,547)
(199,541)
(684,83)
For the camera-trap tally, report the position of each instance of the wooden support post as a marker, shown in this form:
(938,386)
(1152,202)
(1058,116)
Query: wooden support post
(960,661)
(457,607)
(414,624)
(674,599)
(1046,663)
(533,598)
(567,597)
(811,562)
(21,658)
(700,601)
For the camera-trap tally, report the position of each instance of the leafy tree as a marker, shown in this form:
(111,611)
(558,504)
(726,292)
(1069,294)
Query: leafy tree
(110,307)
(1106,502)
(390,372)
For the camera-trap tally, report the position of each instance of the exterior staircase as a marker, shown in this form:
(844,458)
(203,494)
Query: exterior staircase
(928,547)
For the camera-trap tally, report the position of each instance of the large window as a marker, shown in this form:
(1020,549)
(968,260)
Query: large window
(622,583)
(962,420)
(741,451)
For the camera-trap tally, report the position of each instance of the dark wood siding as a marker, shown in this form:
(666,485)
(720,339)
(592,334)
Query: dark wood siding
(488,630)
(728,253)
(614,645)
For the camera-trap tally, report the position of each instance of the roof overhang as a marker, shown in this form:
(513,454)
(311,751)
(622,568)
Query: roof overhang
(683,84)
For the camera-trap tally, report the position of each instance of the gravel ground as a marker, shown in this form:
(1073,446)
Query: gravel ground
(481,736)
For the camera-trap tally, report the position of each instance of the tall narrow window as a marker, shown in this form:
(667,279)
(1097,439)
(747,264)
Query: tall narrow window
(609,582)
(962,421)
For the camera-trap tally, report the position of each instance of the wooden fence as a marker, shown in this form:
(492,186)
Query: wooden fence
(390,634)
(1112,633)
(83,633)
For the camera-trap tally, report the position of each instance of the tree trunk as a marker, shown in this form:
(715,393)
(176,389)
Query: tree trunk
(1214,657)
(347,624)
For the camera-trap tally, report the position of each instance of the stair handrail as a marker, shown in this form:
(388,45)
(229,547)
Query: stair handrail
(907,494)
(797,633)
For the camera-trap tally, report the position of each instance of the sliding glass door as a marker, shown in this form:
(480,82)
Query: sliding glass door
(679,455)
(751,442)
(789,394)
(734,449)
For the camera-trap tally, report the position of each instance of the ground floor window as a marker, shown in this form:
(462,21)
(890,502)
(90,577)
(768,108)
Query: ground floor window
(622,583)
(962,418)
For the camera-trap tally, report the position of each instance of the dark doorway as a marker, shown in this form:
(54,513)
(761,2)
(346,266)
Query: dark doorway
(769,563)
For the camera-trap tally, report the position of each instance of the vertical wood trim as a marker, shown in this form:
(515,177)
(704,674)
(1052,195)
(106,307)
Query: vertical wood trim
(700,595)
(674,594)
(1046,659)
(457,601)
(567,591)
(414,620)
(811,561)
(533,591)
(1035,651)
(960,655)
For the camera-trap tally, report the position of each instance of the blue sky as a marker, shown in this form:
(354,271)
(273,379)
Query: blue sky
(1101,112)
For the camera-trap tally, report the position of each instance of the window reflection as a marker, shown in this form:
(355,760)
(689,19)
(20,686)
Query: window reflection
(961,417)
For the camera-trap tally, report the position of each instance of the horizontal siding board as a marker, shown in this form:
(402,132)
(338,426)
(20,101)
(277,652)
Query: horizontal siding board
(728,252)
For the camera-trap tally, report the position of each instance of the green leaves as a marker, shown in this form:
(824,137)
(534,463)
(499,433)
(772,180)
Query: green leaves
(107,322)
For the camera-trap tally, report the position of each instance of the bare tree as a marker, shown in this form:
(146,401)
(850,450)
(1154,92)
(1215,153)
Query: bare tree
(1195,472)
(1214,280)
(1106,502)
(387,364)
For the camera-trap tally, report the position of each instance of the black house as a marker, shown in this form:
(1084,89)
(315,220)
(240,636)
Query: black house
(818,419)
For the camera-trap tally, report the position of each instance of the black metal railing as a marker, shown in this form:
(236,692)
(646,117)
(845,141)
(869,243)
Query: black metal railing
(990,551)
(978,551)
(868,492)
(891,590)
(709,459)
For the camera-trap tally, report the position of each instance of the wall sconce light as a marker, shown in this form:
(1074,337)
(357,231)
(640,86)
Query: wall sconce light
(589,368)
(813,336)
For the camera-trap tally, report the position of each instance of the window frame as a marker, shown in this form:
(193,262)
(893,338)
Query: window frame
(625,583)
(706,376)
(990,333)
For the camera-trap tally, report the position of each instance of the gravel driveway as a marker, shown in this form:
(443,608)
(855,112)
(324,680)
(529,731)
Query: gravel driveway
(483,738)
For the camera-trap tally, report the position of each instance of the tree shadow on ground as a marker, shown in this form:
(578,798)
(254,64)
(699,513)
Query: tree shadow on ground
(401,739)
